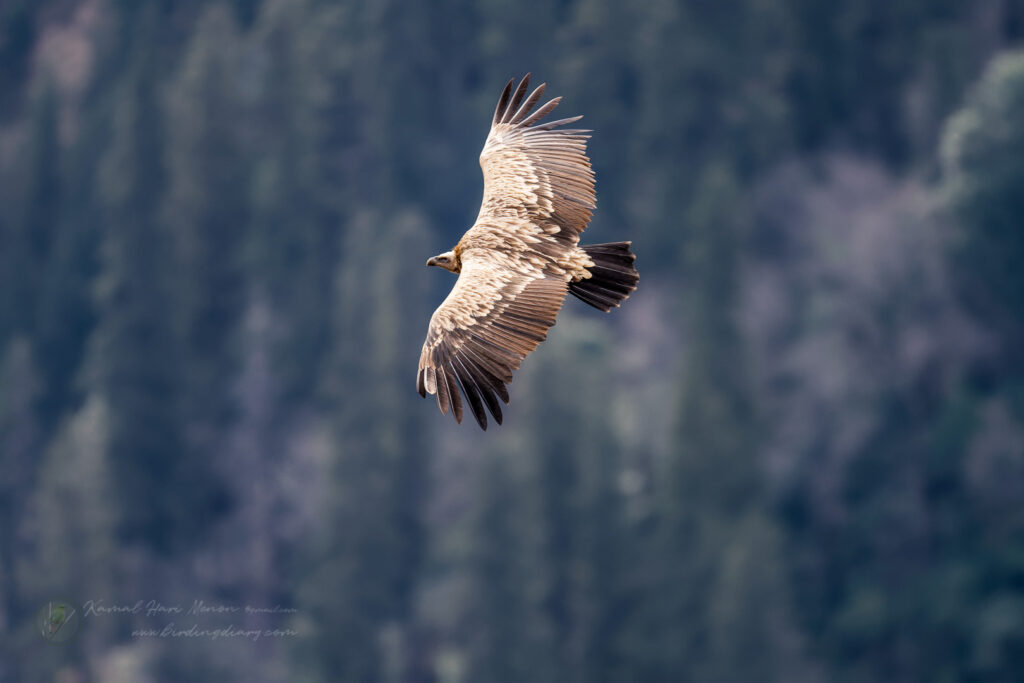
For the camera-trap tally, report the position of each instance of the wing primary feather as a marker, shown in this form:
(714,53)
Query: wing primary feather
(511,339)
(528,104)
(471,390)
(420,389)
(453,391)
(494,407)
(443,395)
(516,99)
(488,363)
(502,347)
(499,111)
(497,381)
(502,393)
(495,350)
(516,331)
(561,122)
(542,112)
(485,383)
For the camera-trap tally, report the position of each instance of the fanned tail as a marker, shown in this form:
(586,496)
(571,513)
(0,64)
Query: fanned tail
(613,276)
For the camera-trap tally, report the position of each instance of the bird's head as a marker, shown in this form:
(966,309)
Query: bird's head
(448,260)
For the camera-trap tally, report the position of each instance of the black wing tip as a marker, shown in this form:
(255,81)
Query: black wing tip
(455,396)
(510,99)
(517,98)
(528,105)
(508,110)
(499,111)
(541,112)
(449,398)
(480,389)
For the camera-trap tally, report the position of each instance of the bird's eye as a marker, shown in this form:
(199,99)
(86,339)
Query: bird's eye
(443,259)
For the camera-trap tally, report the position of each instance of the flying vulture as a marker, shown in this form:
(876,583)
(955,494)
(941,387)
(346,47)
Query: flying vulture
(519,259)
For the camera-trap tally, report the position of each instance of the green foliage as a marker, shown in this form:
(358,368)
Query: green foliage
(506,565)
(793,455)
(20,447)
(207,200)
(726,614)
(983,151)
(134,355)
(298,185)
(364,565)
(71,521)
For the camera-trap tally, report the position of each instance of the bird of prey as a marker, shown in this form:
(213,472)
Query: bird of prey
(519,259)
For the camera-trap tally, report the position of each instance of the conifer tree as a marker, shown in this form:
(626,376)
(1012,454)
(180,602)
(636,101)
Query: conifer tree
(134,355)
(42,200)
(984,177)
(571,468)
(65,265)
(303,173)
(205,213)
(509,637)
(363,580)
(21,444)
(713,495)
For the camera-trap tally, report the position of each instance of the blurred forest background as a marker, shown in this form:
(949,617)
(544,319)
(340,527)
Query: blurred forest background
(795,454)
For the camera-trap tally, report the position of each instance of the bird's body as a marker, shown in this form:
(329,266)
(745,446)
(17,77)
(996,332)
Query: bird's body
(519,259)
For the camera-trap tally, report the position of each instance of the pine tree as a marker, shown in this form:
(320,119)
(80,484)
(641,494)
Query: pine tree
(73,513)
(572,468)
(32,242)
(307,168)
(71,522)
(984,177)
(980,432)
(65,264)
(205,212)
(134,358)
(713,515)
(363,580)
(509,636)
(20,450)
(42,201)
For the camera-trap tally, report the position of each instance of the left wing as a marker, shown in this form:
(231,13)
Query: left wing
(536,174)
(497,313)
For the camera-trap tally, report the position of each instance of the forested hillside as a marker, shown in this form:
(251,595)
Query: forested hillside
(795,454)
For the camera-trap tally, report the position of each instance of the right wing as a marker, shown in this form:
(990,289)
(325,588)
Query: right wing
(496,314)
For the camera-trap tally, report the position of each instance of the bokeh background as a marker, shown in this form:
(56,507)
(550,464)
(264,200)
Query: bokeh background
(795,454)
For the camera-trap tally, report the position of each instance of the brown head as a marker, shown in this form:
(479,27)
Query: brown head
(448,260)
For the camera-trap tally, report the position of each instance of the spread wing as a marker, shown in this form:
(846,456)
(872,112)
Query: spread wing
(538,173)
(538,198)
(496,314)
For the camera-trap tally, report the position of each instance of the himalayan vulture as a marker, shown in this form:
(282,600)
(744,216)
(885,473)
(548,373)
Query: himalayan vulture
(520,258)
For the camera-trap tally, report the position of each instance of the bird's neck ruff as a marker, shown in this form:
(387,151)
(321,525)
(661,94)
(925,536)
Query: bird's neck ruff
(457,266)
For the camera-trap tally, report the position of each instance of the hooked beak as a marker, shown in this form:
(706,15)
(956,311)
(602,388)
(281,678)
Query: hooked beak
(432,261)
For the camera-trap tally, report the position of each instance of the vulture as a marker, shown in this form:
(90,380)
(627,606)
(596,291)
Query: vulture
(520,258)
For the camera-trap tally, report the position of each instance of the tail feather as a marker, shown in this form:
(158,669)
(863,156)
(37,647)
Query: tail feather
(612,277)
